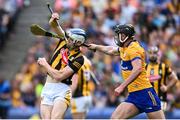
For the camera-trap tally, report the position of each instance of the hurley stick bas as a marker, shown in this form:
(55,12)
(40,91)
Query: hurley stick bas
(38,30)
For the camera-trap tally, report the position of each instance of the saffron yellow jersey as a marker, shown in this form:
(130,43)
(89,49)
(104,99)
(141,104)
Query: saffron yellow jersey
(128,54)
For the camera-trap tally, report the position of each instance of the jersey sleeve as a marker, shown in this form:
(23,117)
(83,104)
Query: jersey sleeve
(135,53)
(76,64)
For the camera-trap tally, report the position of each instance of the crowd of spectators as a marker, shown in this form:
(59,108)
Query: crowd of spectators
(9,10)
(156,23)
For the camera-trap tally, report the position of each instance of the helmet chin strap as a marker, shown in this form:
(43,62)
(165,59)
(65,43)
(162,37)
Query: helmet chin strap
(122,41)
(119,41)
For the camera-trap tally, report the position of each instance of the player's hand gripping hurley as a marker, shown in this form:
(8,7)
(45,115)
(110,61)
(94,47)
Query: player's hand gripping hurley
(51,11)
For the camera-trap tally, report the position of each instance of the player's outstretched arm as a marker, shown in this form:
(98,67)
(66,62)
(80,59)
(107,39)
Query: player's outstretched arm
(54,24)
(110,50)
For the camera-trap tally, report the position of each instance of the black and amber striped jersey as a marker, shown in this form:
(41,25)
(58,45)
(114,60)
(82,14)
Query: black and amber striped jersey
(62,57)
(157,74)
(84,76)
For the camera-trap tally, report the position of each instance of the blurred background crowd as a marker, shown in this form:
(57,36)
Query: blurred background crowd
(9,11)
(157,22)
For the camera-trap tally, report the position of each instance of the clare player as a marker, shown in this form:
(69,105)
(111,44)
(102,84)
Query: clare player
(142,97)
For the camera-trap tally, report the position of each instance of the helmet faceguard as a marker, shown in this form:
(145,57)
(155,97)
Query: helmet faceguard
(127,30)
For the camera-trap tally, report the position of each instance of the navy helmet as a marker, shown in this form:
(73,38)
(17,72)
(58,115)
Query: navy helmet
(126,29)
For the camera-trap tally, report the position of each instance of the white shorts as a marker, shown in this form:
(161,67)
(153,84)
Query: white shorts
(55,91)
(81,104)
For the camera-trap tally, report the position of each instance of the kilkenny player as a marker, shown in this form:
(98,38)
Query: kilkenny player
(142,97)
(66,61)
(81,97)
(160,75)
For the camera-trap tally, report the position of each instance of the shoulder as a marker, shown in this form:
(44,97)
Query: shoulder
(80,59)
(134,46)
(163,65)
(76,63)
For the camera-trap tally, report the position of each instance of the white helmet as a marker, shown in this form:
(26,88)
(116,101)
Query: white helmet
(77,35)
